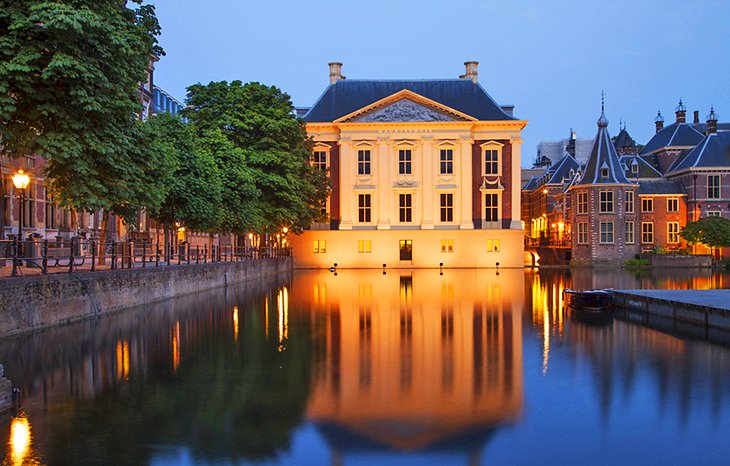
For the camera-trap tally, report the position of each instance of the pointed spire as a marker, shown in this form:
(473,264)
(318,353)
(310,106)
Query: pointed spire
(602,121)
(659,121)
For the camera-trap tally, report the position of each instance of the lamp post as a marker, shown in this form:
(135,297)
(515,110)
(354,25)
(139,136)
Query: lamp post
(21,181)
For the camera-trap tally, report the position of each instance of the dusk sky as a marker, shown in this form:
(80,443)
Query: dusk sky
(551,59)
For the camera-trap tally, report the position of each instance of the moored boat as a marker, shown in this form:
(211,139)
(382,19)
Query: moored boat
(598,300)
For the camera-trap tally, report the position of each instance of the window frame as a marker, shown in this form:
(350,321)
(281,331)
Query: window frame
(647,231)
(582,202)
(647,201)
(609,234)
(364,162)
(673,204)
(582,236)
(672,236)
(630,234)
(364,208)
(606,201)
(716,190)
(446,210)
(405,164)
(630,202)
(495,166)
(405,209)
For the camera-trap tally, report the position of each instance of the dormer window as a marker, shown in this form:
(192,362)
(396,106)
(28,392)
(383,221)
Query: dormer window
(634,167)
(604,172)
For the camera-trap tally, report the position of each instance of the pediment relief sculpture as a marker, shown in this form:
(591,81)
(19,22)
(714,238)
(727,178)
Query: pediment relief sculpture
(405,110)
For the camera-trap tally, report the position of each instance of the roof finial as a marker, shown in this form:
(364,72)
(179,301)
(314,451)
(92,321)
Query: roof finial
(712,116)
(602,121)
(659,116)
(680,107)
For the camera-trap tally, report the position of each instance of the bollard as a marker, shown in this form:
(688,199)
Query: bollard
(93,256)
(144,254)
(71,257)
(114,255)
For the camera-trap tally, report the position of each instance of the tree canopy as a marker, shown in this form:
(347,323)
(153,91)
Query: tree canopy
(711,231)
(69,79)
(192,187)
(263,154)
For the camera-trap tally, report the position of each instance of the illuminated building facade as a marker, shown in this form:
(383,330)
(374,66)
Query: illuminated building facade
(422,172)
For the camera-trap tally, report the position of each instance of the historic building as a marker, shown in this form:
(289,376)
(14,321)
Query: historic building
(423,173)
(627,199)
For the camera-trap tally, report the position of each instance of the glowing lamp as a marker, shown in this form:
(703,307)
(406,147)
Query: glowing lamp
(21,180)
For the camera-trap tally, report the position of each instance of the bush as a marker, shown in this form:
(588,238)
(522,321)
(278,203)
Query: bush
(637,263)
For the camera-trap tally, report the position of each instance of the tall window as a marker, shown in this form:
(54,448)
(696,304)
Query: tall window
(404,162)
(606,232)
(491,162)
(630,233)
(629,202)
(363,162)
(405,207)
(582,203)
(320,160)
(491,207)
(647,232)
(673,232)
(583,233)
(713,186)
(446,166)
(647,204)
(606,204)
(447,207)
(364,208)
(672,204)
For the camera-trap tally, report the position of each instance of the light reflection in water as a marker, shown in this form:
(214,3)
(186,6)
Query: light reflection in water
(20,438)
(235,323)
(282,307)
(122,360)
(412,359)
(176,346)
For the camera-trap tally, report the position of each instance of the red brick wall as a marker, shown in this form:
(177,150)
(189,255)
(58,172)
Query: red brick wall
(505,180)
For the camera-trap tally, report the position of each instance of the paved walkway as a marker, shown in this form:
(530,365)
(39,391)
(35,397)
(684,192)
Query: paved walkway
(718,299)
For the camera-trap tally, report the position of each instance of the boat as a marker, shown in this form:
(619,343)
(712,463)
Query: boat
(590,307)
(597,300)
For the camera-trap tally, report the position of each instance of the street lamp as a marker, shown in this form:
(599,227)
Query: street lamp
(21,181)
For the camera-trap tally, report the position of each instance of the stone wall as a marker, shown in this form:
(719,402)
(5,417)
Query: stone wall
(30,303)
(672,261)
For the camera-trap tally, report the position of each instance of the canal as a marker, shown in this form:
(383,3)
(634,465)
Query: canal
(367,367)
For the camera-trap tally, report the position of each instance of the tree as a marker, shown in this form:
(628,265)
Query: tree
(192,191)
(69,78)
(713,232)
(264,153)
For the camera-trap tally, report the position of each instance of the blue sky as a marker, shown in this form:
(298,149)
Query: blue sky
(551,59)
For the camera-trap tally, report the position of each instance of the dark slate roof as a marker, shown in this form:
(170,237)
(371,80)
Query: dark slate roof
(674,135)
(645,169)
(624,139)
(531,185)
(562,169)
(603,155)
(661,187)
(713,151)
(347,96)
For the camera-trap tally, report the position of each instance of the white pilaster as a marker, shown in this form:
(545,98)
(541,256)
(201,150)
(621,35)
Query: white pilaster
(384,169)
(516,183)
(347,181)
(465,187)
(428,161)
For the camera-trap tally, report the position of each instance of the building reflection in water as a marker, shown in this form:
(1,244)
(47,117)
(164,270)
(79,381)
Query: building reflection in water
(413,360)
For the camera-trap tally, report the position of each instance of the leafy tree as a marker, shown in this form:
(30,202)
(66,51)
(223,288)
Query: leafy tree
(193,185)
(263,150)
(711,231)
(69,77)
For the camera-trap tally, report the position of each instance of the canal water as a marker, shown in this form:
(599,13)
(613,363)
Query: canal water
(365,367)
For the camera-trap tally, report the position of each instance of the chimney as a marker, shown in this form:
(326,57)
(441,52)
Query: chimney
(697,117)
(335,72)
(712,122)
(681,112)
(471,71)
(659,121)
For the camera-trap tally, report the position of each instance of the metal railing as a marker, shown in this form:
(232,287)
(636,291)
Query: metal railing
(68,256)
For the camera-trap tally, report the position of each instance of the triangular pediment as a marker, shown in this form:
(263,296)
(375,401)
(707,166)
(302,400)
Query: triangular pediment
(404,106)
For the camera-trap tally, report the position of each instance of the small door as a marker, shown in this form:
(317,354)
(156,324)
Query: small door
(406,250)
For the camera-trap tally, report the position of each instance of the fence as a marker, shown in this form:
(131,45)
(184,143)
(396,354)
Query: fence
(74,255)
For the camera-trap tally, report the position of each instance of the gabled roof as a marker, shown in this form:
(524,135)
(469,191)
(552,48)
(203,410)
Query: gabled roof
(661,187)
(623,139)
(645,169)
(712,152)
(603,156)
(674,135)
(531,185)
(347,96)
(561,170)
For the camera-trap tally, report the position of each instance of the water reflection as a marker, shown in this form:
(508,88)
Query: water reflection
(464,367)
(413,360)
